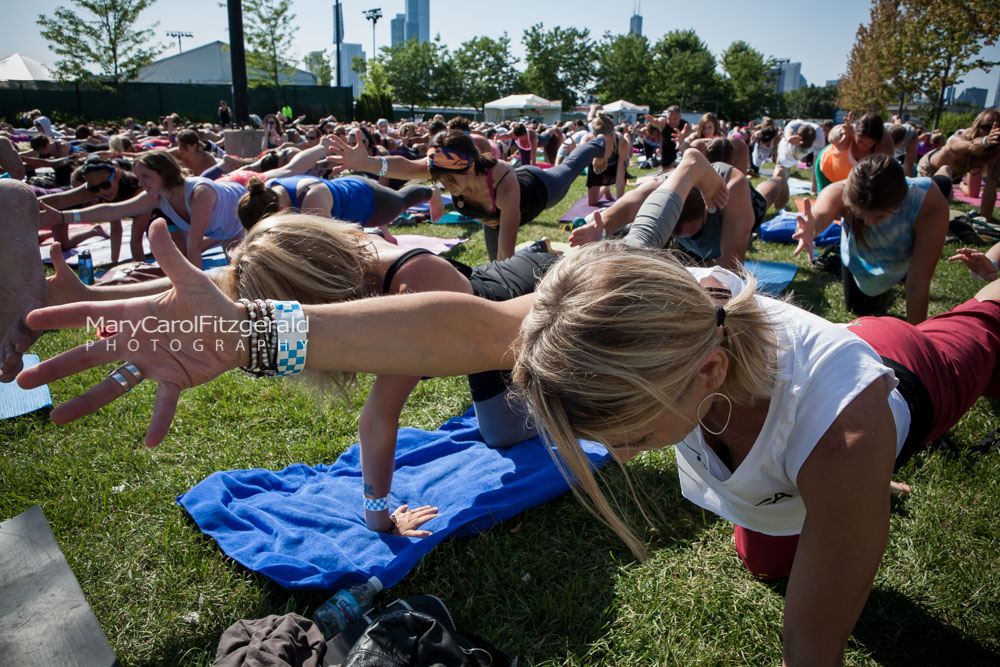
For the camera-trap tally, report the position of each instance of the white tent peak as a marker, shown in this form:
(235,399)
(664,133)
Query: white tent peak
(19,67)
(521,101)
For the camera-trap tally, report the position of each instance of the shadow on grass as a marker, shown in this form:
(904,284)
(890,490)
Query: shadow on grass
(896,630)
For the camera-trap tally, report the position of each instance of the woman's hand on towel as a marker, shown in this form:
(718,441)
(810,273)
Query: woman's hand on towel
(591,232)
(180,338)
(408,521)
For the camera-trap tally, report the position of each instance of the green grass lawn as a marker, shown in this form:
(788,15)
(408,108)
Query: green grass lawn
(552,586)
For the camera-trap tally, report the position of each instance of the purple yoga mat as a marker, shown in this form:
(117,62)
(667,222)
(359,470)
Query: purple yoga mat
(581,208)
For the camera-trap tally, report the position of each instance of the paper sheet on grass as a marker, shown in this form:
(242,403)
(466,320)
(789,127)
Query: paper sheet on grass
(798,186)
(304,526)
(15,401)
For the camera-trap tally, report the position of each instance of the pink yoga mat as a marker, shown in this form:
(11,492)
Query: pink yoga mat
(581,209)
(962,197)
(433,243)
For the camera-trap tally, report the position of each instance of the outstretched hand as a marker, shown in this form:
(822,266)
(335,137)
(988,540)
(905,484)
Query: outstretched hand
(805,231)
(592,232)
(151,335)
(345,157)
(977,262)
(408,521)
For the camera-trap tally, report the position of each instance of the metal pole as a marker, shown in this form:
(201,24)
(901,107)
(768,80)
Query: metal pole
(241,98)
(336,38)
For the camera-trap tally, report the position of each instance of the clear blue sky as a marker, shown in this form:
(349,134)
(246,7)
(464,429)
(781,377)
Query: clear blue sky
(819,35)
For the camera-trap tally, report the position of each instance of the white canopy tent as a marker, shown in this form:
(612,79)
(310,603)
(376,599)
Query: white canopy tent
(22,68)
(620,110)
(516,106)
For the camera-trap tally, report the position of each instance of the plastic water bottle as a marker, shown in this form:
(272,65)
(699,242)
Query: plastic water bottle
(579,222)
(85,267)
(346,606)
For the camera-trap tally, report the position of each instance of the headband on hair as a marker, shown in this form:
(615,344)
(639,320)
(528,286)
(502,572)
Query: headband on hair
(449,158)
(95,163)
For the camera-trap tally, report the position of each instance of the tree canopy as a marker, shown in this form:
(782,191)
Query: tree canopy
(684,71)
(101,34)
(624,68)
(485,68)
(318,64)
(750,88)
(269,31)
(559,63)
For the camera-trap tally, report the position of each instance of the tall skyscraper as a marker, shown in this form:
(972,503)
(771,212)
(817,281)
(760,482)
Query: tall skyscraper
(418,20)
(397,29)
(996,96)
(635,25)
(348,76)
(974,96)
(789,76)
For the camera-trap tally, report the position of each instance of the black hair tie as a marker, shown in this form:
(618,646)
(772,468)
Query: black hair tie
(720,316)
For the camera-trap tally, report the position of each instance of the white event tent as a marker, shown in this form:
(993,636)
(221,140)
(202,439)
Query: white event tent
(621,110)
(22,68)
(516,106)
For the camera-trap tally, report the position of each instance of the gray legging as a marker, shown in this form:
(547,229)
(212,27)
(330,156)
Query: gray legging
(557,182)
(389,203)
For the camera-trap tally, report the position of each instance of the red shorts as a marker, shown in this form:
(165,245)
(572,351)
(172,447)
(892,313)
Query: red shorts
(955,355)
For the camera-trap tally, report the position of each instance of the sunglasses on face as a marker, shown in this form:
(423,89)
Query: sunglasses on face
(103,185)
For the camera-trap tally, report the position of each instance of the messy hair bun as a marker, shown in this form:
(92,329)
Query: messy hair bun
(259,202)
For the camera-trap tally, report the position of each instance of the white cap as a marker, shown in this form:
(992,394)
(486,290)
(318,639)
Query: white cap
(376,583)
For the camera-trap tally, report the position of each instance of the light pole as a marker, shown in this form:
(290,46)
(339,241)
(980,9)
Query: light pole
(373,15)
(178,35)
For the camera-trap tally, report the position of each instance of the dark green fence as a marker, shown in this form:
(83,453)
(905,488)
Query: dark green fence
(149,101)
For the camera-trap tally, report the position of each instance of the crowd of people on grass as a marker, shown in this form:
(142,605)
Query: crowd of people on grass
(651,335)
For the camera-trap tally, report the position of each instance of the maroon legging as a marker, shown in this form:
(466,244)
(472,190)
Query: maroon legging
(955,355)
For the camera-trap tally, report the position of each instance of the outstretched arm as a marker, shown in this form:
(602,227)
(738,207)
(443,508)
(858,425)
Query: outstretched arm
(929,230)
(447,334)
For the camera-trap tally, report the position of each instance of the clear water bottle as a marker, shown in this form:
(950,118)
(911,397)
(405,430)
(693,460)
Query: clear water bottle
(346,606)
(85,267)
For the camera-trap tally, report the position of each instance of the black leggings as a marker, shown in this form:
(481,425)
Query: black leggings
(557,181)
(389,203)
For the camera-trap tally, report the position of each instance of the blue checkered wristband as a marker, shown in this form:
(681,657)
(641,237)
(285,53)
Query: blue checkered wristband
(376,504)
(292,328)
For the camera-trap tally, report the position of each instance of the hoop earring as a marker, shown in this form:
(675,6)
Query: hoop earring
(728,417)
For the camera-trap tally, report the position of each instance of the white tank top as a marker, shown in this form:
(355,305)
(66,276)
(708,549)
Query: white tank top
(822,367)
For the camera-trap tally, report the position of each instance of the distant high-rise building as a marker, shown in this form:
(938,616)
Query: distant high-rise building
(348,76)
(338,15)
(789,76)
(418,20)
(996,96)
(635,25)
(974,96)
(833,82)
(397,28)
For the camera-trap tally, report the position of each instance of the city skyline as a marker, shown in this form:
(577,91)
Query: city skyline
(823,55)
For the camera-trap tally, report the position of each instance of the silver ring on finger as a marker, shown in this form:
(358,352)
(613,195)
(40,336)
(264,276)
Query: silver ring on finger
(120,379)
(134,370)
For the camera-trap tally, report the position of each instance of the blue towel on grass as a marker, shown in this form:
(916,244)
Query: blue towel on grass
(780,228)
(304,526)
(15,401)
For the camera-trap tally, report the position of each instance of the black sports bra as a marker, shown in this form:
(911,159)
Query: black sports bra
(394,268)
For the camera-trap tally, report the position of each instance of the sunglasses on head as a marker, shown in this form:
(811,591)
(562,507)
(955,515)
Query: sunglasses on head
(103,185)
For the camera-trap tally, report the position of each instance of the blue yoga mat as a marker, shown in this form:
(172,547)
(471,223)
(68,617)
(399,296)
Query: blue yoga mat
(15,401)
(780,228)
(772,277)
(304,526)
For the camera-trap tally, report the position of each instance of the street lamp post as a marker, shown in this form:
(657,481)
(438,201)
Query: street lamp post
(178,35)
(373,15)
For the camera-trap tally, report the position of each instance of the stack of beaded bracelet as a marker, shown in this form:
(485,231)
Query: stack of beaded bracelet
(263,338)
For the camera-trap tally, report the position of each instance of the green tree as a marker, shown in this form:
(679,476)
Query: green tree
(485,67)
(318,64)
(810,102)
(751,82)
(375,100)
(99,34)
(684,72)
(953,35)
(420,73)
(269,34)
(559,63)
(624,69)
